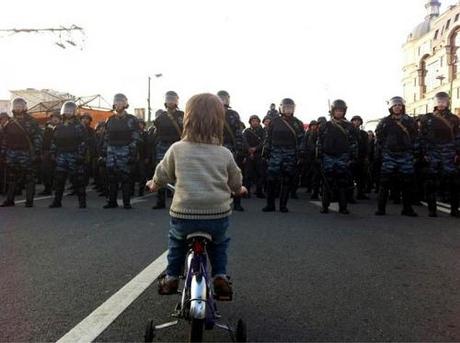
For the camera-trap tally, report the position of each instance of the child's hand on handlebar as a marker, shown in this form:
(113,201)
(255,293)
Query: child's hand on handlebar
(152,186)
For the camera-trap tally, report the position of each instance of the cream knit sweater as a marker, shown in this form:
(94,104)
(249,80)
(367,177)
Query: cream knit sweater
(204,174)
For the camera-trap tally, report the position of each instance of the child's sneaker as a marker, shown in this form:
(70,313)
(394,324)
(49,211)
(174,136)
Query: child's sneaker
(167,285)
(222,289)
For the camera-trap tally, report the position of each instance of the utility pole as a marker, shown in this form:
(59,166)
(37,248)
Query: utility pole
(149,108)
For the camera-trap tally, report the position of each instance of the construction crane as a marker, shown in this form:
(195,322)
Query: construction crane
(65,35)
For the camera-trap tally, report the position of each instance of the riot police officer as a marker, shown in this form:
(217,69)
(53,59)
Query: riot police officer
(233,137)
(48,164)
(168,128)
(121,137)
(21,148)
(312,178)
(254,167)
(69,147)
(396,137)
(361,168)
(284,150)
(440,145)
(337,150)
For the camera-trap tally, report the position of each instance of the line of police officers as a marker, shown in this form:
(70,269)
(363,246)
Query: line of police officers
(408,157)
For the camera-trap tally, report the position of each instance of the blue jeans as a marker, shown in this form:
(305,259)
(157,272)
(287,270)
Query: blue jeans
(217,250)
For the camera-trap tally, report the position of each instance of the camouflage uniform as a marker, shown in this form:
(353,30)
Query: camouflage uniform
(69,146)
(121,138)
(440,144)
(283,150)
(21,147)
(337,149)
(396,146)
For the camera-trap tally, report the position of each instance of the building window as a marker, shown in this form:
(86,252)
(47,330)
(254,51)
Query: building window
(432,71)
(454,61)
(422,77)
(436,34)
(456,17)
(448,25)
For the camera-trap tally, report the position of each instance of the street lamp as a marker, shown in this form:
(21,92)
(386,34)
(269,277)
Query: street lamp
(149,108)
(440,78)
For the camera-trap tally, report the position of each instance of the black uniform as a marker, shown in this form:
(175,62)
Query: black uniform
(361,168)
(337,149)
(255,166)
(233,140)
(48,164)
(168,128)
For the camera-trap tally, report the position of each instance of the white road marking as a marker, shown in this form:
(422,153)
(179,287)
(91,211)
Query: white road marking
(440,208)
(93,325)
(332,207)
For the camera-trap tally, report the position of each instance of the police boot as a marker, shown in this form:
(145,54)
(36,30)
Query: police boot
(351,196)
(259,192)
(248,186)
(81,191)
(343,201)
(126,192)
(432,206)
(454,199)
(284,197)
(81,198)
(325,200)
(30,192)
(454,212)
(237,204)
(407,203)
(382,201)
(9,201)
(161,199)
(113,190)
(362,196)
(315,194)
(271,196)
(141,189)
(59,186)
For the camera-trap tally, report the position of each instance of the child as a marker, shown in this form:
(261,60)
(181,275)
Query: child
(205,175)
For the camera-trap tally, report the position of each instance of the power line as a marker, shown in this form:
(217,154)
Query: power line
(65,35)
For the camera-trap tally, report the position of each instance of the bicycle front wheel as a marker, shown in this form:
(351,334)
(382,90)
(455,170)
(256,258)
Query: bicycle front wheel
(196,330)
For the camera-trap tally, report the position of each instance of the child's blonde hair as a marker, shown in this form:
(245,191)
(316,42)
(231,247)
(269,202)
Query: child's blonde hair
(204,119)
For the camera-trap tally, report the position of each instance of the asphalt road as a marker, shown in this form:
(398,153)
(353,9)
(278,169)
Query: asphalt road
(301,276)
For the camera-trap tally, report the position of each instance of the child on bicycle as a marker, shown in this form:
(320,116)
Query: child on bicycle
(205,176)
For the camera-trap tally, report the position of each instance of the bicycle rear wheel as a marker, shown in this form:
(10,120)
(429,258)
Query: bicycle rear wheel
(196,330)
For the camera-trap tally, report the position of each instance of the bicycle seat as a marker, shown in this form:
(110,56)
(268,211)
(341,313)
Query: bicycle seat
(198,234)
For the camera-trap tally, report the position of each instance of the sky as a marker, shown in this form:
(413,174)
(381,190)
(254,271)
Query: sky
(259,51)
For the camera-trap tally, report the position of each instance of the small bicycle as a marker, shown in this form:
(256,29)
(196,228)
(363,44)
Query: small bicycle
(197,304)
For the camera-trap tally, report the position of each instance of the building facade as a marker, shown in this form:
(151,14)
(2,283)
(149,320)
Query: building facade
(432,59)
(5,106)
